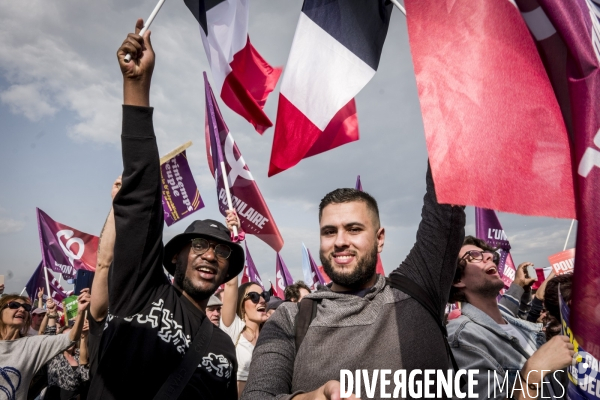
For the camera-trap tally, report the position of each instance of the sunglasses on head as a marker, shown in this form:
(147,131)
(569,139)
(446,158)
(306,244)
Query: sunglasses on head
(15,305)
(255,296)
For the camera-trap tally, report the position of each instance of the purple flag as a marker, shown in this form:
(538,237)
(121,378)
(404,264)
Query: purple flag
(358,185)
(38,280)
(64,249)
(311,272)
(488,228)
(255,217)
(568,38)
(180,195)
(250,273)
(283,278)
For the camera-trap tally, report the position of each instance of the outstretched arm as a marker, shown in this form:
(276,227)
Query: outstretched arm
(230,294)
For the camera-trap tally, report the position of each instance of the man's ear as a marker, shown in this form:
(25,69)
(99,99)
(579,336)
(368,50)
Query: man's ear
(380,239)
(174,260)
(459,285)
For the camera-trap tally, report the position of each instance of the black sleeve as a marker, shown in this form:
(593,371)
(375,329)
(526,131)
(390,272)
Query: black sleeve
(535,311)
(137,269)
(432,261)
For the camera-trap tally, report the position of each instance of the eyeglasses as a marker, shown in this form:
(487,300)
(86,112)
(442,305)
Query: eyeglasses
(478,255)
(201,246)
(15,305)
(255,296)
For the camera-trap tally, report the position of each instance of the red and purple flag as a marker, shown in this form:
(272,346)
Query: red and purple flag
(568,38)
(243,77)
(488,228)
(358,185)
(38,280)
(310,270)
(64,249)
(255,217)
(283,278)
(180,195)
(335,53)
(489,111)
(250,273)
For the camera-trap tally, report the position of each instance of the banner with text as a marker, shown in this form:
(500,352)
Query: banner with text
(563,262)
(488,228)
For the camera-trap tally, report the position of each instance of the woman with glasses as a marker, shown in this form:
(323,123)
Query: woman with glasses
(22,356)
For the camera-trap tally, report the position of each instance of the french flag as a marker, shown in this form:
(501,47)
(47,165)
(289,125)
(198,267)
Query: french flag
(243,77)
(335,53)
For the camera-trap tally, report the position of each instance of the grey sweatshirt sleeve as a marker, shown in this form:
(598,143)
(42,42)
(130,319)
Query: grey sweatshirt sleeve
(510,300)
(272,366)
(43,348)
(432,261)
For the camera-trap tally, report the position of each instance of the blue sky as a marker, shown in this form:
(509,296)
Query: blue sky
(60,105)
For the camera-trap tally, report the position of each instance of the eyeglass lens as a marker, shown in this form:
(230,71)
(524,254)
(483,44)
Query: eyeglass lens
(201,246)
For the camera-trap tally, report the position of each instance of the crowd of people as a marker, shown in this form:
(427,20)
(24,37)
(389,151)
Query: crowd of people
(139,335)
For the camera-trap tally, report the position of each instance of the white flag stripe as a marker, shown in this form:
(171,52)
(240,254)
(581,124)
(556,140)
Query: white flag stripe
(321,75)
(538,23)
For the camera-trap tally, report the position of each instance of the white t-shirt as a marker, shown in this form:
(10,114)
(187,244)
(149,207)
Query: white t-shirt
(243,348)
(512,331)
(32,332)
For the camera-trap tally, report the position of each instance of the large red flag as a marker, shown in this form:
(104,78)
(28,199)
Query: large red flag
(247,200)
(568,38)
(495,135)
(64,249)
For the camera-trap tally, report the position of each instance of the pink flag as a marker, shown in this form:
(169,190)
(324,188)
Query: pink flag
(247,200)
(283,278)
(64,249)
(250,273)
(489,111)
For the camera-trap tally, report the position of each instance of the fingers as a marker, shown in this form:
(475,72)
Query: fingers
(139,24)
(133,44)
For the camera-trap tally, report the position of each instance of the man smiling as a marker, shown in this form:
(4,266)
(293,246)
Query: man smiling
(360,322)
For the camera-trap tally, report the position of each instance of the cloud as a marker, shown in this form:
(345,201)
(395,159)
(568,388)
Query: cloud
(27,100)
(8,225)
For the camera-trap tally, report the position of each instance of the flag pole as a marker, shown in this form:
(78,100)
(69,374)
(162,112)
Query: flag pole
(398,5)
(220,155)
(568,235)
(47,283)
(148,22)
(23,291)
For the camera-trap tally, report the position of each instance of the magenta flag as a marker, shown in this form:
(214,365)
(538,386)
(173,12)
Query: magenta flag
(283,278)
(568,38)
(358,185)
(255,217)
(180,195)
(38,280)
(488,228)
(64,249)
(250,273)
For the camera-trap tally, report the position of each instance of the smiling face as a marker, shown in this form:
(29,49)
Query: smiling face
(350,240)
(199,275)
(480,277)
(15,318)
(255,312)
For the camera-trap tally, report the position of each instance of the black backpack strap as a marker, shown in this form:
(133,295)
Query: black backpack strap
(181,375)
(408,286)
(307,311)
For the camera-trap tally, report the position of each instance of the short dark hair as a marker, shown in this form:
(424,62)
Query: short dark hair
(551,293)
(292,292)
(348,195)
(457,294)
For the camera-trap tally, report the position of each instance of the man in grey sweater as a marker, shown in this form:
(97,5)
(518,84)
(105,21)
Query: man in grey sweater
(361,323)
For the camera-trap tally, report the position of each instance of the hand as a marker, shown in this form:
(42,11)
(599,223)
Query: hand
(116,187)
(85,330)
(522,278)
(40,293)
(83,300)
(50,306)
(555,354)
(329,391)
(232,220)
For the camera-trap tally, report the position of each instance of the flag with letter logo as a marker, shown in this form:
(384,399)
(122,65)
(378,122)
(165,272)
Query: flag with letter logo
(283,278)
(64,249)
(310,270)
(38,280)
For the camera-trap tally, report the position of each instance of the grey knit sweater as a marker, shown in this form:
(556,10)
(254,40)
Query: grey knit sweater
(386,329)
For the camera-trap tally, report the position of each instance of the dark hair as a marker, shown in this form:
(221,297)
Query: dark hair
(457,294)
(551,293)
(347,195)
(292,292)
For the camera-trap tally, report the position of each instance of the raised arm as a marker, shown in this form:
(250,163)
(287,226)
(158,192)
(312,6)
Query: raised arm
(137,269)
(432,261)
(82,303)
(230,294)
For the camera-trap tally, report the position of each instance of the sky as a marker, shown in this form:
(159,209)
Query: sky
(60,118)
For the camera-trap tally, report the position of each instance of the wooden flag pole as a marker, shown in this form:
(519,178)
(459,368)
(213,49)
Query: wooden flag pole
(568,235)
(174,152)
(399,6)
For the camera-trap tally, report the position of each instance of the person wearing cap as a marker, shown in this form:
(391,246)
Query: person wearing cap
(213,309)
(37,316)
(153,327)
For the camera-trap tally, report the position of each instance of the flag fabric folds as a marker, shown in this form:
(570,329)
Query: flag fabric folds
(495,135)
(283,278)
(242,76)
(38,280)
(64,249)
(251,208)
(488,228)
(335,53)
(568,39)
(310,270)
(250,273)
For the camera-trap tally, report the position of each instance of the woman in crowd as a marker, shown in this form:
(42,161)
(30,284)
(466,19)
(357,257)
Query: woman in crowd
(22,356)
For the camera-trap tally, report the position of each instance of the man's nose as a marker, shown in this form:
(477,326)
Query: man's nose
(341,239)
(209,255)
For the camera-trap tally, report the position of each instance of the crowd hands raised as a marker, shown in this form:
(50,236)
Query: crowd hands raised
(139,335)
